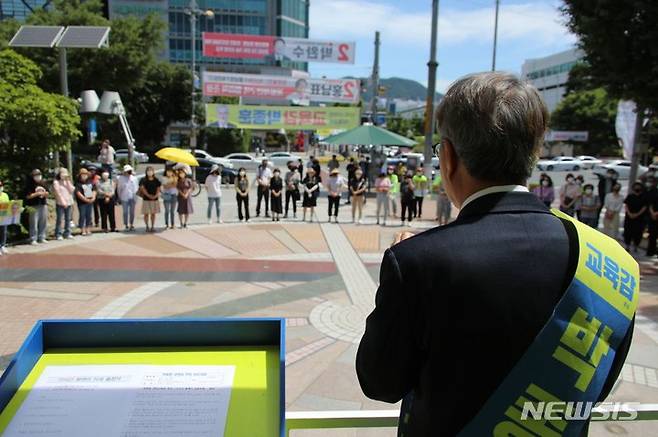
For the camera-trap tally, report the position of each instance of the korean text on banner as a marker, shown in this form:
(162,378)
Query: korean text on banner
(273,48)
(281,117)
(297,90)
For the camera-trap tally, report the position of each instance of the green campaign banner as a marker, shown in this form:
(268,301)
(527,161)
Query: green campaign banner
(10,212)
(281,117)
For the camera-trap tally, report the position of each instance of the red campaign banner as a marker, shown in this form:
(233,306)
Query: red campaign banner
(226,45)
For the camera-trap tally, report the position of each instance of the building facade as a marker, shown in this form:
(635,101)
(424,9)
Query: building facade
(550,74)
(253,17)
(21,9)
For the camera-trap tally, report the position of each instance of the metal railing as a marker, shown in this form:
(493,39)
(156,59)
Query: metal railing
(389,418)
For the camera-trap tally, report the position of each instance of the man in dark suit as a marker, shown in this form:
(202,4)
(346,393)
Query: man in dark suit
(458,305)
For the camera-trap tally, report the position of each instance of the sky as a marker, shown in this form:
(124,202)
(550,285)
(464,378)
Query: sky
(527,29)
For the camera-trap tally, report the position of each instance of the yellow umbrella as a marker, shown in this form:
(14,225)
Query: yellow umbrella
(177,155)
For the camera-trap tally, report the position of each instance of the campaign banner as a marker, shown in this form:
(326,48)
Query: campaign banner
(276,48)
(625,124)
(298,90)
(281,117)
(10,212)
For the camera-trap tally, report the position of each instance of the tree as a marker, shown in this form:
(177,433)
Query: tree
(151,90)
(593,111)
(619,39)
(33,123)
(167,90)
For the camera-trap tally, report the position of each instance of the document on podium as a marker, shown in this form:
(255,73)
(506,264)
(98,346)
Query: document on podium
(126,401)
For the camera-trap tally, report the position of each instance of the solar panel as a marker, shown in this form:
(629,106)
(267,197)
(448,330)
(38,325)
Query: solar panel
(36,36)
(91,37)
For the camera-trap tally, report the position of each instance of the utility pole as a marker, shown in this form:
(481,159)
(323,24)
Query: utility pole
(193,15)
(495,42)
(431,92)
(64,84)
(375,81)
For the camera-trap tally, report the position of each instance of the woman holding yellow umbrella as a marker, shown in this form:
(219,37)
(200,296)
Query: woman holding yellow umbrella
(185,185)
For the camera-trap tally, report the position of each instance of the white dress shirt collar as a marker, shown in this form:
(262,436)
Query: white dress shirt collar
(494,189)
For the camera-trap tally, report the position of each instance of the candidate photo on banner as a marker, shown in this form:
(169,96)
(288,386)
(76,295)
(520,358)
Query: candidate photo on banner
(277,48)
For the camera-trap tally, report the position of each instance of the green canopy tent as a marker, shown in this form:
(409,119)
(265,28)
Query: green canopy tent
(369,134)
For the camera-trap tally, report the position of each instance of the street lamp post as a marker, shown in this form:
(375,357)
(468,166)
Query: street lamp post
(193,11)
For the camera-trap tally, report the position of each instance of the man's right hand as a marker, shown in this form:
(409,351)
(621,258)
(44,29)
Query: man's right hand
(402,236)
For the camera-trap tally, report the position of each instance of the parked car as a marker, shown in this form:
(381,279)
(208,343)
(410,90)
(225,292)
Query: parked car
(560,163)
(98,167)
(202,154)
(589,162)
(244,160)
(280,159)
(621,166)
(140,157)
(203,170)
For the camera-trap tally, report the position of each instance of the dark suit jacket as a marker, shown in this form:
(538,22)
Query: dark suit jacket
(458,305)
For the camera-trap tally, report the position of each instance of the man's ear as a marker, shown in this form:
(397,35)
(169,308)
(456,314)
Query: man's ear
(450,159)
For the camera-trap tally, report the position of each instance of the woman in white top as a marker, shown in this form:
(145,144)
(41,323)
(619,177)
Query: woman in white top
(214,190)
(613,204)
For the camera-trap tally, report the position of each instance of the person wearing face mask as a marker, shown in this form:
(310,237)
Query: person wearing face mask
(443,204)
(651,199)
(569,195)
(105,192)
(636,207)
(214,189)
(420,183)
(4,198)
(63,190)
(93,178)
(127,188)
(382,188)
(589,206)
(394,192)
(169,196)
(242,194)
(292,180)
(606,183)
(185,206)
(149,191)
(85,195)
(276,192)
(511,272)
(36,196)
(613,204)
(358,187)
(335,187)
(311,186)
(263,176)
(545,191)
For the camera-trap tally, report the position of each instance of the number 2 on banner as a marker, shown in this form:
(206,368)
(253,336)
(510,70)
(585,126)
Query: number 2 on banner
(342,49)
(348,90)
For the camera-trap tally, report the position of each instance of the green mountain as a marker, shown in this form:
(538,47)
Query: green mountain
(399,88)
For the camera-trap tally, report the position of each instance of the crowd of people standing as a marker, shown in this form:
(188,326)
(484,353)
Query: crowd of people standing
(578,199)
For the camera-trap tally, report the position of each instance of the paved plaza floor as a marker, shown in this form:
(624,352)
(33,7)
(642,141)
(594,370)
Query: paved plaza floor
(321,277)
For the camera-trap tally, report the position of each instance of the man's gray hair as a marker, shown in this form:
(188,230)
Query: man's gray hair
(496,124)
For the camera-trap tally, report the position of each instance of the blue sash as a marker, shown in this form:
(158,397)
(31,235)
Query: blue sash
(571,357)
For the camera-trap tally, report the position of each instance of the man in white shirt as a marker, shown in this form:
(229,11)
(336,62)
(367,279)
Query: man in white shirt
(334,189)
(214,190)
(127,188)
(263,176)
(106,156)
